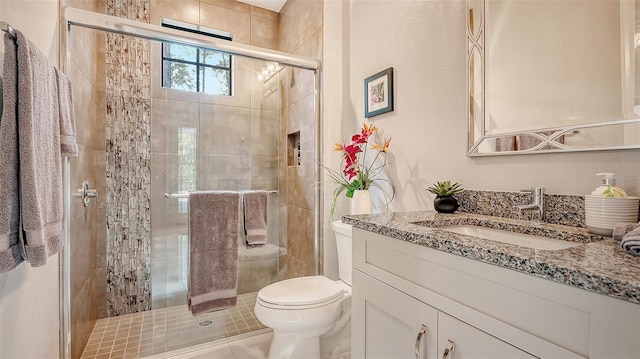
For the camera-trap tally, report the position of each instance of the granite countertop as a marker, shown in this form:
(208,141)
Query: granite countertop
(598,264)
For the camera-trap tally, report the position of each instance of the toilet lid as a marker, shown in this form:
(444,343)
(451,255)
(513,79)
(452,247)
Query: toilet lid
(302,291)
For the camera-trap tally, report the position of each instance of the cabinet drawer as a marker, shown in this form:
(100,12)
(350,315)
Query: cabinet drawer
(472,343)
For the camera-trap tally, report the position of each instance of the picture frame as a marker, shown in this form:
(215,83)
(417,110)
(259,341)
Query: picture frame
(378,93)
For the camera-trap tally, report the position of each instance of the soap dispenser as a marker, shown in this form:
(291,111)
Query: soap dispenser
(608,188)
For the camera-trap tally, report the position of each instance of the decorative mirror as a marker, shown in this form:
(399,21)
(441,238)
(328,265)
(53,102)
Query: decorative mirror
(552,76)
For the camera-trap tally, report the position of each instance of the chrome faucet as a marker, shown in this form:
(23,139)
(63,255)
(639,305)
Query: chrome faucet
(537,206)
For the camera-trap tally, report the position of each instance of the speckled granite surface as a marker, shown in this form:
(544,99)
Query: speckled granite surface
(558,209)
(597,265)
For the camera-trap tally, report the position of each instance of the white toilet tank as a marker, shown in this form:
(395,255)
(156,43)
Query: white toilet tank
(343,241)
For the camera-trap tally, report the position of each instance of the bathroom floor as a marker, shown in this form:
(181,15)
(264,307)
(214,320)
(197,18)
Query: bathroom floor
(163,330)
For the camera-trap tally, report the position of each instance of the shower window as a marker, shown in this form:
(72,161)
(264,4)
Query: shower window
(187,171)
(194,69)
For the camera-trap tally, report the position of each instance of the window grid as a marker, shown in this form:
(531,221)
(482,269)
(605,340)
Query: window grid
(199,64)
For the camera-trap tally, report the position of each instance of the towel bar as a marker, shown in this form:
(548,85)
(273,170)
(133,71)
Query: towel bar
(186,195)
(7,28)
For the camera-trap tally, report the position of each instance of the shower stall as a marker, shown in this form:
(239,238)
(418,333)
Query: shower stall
(173,111)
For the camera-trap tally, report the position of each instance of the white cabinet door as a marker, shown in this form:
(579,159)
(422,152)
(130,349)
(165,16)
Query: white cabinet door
(471,342)
(386,323)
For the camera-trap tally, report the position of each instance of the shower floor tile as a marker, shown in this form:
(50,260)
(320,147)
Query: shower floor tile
(162,330)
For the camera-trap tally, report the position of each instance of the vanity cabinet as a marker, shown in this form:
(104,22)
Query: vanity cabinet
(486,311)
(396,325)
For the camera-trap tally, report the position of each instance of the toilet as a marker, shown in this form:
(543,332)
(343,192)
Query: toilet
(302,310)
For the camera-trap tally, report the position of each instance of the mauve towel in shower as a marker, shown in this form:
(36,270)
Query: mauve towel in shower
(255,217)
(68,145)
(213,235)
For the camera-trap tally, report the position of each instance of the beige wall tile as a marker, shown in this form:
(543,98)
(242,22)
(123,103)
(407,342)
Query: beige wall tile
(101,291)
(183,10)
(264,32)
(244,277)
(299,19)
(265,13)
(83,251)
(265,133)
(101,71)
(220,172)
(224,130)
(83,103)
(263,273)
(83,317)
(300,234)
(230,4)
(265,95)
(82,45)
(264,173)
(164,179)
(236,22)
(167,117)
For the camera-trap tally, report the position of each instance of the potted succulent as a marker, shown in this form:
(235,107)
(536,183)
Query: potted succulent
(445,202)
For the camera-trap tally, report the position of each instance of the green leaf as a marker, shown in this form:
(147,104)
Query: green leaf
(350,192)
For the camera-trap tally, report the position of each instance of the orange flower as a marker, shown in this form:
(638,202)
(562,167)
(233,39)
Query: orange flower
(338,147)
(384,147)
(368,130)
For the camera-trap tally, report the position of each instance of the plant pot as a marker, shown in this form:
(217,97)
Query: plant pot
(445,204)
(361,202)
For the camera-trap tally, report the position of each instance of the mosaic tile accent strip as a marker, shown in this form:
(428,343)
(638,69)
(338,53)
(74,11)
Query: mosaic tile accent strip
(599,265)
(161,330)
(128,149)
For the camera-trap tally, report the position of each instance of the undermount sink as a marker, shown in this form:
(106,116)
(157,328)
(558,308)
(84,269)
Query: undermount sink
(519,239)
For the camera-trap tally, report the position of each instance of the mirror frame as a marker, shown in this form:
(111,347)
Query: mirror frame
(547,136)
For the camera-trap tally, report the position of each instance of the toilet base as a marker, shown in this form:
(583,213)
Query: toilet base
(290,345)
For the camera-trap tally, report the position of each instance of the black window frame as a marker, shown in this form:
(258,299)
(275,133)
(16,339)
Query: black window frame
(198,64)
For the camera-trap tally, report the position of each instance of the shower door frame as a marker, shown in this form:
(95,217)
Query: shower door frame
(86,19)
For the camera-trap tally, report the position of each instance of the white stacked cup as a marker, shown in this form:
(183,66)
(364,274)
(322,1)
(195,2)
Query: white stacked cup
(603,213)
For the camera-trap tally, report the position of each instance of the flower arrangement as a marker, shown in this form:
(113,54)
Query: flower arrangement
(357,173)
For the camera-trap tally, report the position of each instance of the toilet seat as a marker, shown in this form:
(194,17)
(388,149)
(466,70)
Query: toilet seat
(300,293)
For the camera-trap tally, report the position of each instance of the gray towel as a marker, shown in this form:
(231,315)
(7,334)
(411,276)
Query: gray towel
(631,241)
(68,145)
(255,217)
(10,244)
(620,229)
(213,235)
(40,159)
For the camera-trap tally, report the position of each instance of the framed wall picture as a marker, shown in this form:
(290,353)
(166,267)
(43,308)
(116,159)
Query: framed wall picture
(378,93)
